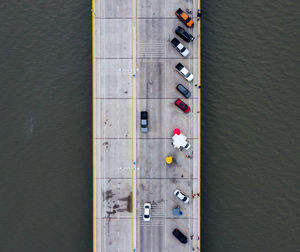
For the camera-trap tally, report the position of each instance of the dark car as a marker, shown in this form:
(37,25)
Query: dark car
(183,90)
(180,104)
(184,34)
(180,236)
(144,121)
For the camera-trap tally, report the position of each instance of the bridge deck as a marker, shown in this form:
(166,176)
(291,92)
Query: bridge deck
(134,71)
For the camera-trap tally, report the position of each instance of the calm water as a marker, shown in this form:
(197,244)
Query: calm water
(45,104)
(251,126)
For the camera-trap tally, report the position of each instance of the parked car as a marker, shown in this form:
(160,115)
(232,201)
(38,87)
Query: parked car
(180,236)
(184,34)
(179,47)
(184,18)
(147,207)
(183,90)
(144,121)
(184,72)
(184,107)
(181,196)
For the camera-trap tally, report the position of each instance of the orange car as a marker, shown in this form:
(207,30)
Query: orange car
(184,18)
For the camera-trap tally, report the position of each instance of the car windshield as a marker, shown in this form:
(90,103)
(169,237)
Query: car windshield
(188,74)
(146,216)
(188,19)
(183,49)
(184,198)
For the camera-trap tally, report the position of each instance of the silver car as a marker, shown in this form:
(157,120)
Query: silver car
(144,121)
(182,70)
(180,47)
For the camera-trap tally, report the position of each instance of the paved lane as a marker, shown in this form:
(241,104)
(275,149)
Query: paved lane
(115,126)
(157,93)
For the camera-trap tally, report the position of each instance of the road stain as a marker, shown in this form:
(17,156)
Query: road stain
(142,186)
(129,202)
(108,194)
(112,212)
(115,206)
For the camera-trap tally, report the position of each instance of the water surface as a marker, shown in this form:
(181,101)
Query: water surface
(251,126)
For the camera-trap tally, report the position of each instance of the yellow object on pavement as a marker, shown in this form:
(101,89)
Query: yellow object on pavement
(169,160)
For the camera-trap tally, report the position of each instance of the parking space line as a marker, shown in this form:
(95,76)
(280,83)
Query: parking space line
(128,58)
(141,178)
(140,138)
(142,98)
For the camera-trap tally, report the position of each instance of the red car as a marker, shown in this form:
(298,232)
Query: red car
(180,104)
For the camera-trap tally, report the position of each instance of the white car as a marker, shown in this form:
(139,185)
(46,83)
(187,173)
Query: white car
(181,196)
(147,207)
(184,72)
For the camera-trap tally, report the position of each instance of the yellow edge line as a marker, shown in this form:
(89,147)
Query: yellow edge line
(132,120)
(93,136)
(199,123)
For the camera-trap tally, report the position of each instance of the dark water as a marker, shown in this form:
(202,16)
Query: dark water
(45,106)
(251,126)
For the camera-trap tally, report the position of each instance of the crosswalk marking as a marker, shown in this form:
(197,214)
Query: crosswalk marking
(151,50)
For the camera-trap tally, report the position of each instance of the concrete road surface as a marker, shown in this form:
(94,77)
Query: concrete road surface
(134,71)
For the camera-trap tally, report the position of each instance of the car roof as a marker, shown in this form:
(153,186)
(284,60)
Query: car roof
(184,15)
(186,33)
(178,233)
(180,86)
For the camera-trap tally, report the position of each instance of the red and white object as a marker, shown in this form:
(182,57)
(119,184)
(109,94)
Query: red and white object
(179,141)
